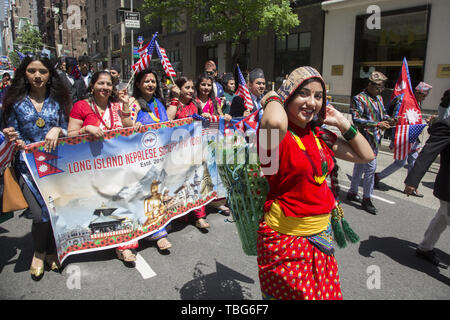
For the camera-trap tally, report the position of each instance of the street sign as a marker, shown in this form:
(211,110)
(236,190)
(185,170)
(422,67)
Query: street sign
(132,19)
(140,40)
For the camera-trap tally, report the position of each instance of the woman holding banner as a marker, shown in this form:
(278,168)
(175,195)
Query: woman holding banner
(37,106)
(295,251)
(183,105)
(147,108)
(103,111)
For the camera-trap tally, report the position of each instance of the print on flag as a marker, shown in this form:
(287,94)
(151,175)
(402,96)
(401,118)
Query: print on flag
(408,112)
(242,90)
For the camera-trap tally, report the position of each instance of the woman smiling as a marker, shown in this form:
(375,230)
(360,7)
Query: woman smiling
(295,252)
(37,106)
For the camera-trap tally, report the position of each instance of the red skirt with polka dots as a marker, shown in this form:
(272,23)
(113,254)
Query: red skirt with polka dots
(291,268)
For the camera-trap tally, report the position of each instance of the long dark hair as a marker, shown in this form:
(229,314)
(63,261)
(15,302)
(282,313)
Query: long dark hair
(212,96)
(181,81)
(137,79)
(20,88)
(445,100)
(113,97)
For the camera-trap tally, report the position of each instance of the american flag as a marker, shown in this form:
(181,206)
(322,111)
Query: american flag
(146,55)
(242,90)
(7,150)
(405,138)
(168,69)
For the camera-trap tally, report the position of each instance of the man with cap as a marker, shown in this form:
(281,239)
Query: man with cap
(211,70)
(420,93)
(257,87)
(229,87)
(370,118)
(73,81)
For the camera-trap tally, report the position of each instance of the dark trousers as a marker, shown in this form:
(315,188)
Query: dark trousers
(41,232)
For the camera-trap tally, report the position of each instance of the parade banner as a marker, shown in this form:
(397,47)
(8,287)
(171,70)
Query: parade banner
(102,193)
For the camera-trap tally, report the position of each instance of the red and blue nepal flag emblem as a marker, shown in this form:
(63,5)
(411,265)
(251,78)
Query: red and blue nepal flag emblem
(46,163)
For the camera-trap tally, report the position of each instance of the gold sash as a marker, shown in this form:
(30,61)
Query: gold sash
(294,226)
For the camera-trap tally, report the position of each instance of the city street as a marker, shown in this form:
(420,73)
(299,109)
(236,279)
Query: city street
(212,265)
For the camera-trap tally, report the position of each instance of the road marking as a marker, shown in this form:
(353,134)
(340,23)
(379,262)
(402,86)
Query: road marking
(144,268)
(373,196)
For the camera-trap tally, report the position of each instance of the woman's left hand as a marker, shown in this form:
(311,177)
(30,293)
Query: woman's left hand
(336,119)
(51,139)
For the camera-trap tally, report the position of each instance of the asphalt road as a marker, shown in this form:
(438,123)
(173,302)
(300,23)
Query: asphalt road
(213,266)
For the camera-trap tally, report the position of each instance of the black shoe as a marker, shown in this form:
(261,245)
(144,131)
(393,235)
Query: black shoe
(431,257)
(376,181)
(416,194)
(368,206)
(353,197)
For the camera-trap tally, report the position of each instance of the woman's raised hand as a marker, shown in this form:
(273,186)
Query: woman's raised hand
(336,119)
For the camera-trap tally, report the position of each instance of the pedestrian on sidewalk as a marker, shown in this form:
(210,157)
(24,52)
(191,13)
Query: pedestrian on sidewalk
(437,143)
(420,93)
(294,245)
(370,117)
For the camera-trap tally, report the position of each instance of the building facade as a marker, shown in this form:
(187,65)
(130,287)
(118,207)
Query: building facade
(63,24)
(189,49)
(361,36)
(109,41)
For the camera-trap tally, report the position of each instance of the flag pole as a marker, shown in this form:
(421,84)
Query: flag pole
(131,78)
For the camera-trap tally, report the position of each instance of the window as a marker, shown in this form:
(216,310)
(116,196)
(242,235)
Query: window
(404,34)
(291,52)
(116,42)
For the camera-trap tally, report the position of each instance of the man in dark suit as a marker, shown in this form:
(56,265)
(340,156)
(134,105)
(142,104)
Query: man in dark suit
(256,87)
(438,143)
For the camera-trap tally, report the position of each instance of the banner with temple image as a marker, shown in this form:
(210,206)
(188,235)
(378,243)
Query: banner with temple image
(102,193)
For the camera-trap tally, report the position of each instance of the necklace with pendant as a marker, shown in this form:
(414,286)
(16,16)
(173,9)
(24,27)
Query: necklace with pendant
(318,178)
(40,122)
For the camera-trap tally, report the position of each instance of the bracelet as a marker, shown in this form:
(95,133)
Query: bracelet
(270,99)
(350,133)
(126,114)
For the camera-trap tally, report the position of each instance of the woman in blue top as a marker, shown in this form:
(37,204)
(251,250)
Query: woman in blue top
(146,107)
(37,106)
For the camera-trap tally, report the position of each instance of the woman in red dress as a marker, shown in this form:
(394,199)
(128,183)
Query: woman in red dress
(295,252)
(182,106)
(102,111)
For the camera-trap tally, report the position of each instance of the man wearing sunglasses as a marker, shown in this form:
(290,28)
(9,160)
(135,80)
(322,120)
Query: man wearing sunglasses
(370,117)
(211,70)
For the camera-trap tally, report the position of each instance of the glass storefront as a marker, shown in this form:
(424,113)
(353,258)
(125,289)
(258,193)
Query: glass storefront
(402,33)
(291,52)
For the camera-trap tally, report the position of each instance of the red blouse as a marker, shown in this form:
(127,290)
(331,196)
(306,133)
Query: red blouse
(82,111)
(184,111)
(293,183)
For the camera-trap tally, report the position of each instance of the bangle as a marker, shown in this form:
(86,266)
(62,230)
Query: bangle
(350,133)
(126,114)
(270,99)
